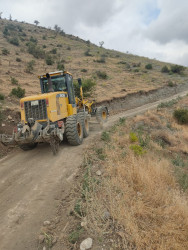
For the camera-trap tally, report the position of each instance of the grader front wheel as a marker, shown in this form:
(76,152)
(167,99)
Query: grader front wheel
(85,123)
(74,130)
(102,114)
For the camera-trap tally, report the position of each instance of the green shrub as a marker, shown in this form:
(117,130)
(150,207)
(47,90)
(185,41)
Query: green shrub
(167,104)
(60,66)
(53,51)
(2,97)
(148,66)
(133,137)
(59,45)
(101,60)
(101,74)
(87,53)
(171,84)
(14,81)
(44,37)
(68,48)
(18,92)
(6,32)
(35,50)
(88,86)
(105,136)
(33,40)
(178,69)
(44,46)
(49,60)
(122,62)
(181,116)
(122,120)
(14,41)
(137,149)
(30,66)
(84,70)
(136,70)
(165,69)
(5,52)
(18,59)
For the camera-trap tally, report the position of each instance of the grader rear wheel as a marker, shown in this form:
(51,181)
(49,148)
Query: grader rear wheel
(102,114)
(74,130)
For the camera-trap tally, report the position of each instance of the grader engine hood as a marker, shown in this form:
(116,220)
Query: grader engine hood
(44,107)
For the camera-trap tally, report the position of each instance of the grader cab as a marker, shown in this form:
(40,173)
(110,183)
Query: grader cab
(54,115)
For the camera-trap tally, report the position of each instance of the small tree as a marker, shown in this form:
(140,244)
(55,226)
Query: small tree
(57,28)
(1,14)
(101,44)
(10,17)
(36,22)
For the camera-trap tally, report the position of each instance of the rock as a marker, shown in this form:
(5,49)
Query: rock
(98,173)
(106,215)
(3,125)
(10,117)
(86,244)
(41,238)
(139,194)
(46,223)
(44,248)
(12,121)
(84,222)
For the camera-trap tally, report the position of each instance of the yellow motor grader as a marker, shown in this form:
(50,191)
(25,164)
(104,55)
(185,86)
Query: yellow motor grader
(54,115)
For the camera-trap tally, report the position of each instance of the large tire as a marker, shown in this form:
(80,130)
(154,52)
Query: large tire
(74,130)
(102,114)
(28,146)
(85,123)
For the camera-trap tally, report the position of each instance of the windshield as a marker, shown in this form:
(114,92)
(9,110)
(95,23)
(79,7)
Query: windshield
(58,84)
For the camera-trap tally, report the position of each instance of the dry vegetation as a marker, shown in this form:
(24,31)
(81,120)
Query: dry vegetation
(115,73)
(140,199)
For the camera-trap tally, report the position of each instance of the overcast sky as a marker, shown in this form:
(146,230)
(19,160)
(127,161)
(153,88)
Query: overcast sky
(152,28)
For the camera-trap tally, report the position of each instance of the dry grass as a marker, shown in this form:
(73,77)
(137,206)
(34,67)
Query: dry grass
(141,195)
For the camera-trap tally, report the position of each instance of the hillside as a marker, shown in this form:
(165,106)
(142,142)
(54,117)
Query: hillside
(25,50)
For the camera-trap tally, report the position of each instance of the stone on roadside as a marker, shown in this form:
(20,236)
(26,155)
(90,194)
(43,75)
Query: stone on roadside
(98,173)
(46,223)
(86,244)
(10,117)
(3,125)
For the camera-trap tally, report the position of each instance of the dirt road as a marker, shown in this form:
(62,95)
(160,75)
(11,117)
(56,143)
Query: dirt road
(31,184)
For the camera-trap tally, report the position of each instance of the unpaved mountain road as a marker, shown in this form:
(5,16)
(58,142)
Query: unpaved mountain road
(32,183)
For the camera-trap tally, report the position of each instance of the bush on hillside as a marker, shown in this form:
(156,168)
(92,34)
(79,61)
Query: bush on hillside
(14,41)
(33,40)
(88,86)
(60,66)
(148,66)
(18,92)
(35,50)
(5,52)
(178,69)
(181,116)
(53,51)
(49,60)
(30,66)
(101,74)
(84,70)
(18,59)
(101,60)
(165,69)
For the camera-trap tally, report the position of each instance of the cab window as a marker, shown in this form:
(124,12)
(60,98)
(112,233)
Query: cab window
(58,84)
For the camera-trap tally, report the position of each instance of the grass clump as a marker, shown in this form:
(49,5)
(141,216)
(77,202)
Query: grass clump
(167,104)
(18,92)
(14,81)
(138,150)
(87,53)
(75,235)
(84,70)
(49,60)
(105,136)
(18,59)
(102,59)
(133,137)
(5,52)
(101,74)
(35,50)
(2,97)
(181,115)
(14,41)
